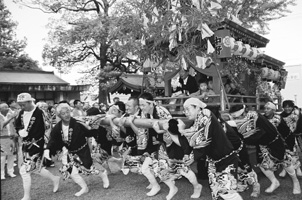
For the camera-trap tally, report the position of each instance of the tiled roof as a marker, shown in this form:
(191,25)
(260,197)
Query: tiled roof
(30,78)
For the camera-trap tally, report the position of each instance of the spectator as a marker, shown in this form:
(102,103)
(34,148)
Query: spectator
(187,82)
(96,105)
(203,92)
(116,99)
(78,109)
(43,106)
(103,108)
(7,133)
(86,106)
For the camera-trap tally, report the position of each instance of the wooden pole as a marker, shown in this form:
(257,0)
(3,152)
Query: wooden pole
(223,95)
(141,123)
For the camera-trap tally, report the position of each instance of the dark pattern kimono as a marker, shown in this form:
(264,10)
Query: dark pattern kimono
(246,175)
(79,154)
(206,136)
(291,153)
(33,143)
(152,144)
(258,131)
(294,122)
(150,135)
(130,139)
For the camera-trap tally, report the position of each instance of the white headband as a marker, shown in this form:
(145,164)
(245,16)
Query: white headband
(239,112)
(270,105)
(195,102)
(145,100)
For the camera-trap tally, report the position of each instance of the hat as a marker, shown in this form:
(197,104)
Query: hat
(23,97)
(195,102)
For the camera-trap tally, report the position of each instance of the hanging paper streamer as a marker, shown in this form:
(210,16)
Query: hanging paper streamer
(205,30)
(172,37)
(210,48)
(143,40)
(155,15)
(214,7)
(235,19)
(201,62)
(197,4)
(145,21)
(184,63)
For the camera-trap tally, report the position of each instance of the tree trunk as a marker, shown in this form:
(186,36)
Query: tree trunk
(102,90)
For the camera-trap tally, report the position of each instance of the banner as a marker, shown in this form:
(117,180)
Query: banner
(222,43)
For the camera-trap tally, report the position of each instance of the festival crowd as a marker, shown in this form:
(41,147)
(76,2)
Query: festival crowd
(142,137)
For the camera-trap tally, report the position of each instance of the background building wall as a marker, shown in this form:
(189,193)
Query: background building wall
(293,87)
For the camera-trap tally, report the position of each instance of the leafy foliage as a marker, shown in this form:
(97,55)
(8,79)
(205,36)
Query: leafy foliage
(11,56)
(123,33)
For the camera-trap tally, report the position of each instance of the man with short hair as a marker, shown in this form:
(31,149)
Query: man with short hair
(291,158)
(187,82)
(116,99)
(30,125)
(132,109)
(206,137)
(69,135)
(78,109)
(260,132)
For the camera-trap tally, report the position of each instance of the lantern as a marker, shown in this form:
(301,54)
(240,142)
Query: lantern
(238,47)
(255,53)
(259,52)
(248,50)
(276,76)
(270,75)
(264,72)
(232,42)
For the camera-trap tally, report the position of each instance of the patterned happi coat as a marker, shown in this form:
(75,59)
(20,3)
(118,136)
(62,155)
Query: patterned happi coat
(291,153)
(78,154)
(147,139)
(33,144)
(294,122)
(206,136)
(258,131)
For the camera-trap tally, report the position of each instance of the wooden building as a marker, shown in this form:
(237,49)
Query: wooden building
(42,85)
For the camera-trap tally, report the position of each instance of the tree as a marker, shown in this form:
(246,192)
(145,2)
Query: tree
(104,32)
(90,32)
(11,50)
(177,26)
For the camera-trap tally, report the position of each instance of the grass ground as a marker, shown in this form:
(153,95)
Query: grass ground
(130,187)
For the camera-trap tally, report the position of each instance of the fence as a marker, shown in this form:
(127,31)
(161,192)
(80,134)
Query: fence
(175,104)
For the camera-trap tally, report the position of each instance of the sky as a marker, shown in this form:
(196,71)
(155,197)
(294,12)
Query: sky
(285,35)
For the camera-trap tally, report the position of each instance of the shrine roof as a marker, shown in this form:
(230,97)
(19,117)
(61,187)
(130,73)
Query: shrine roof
(241,32)
(270,61)
(30,78)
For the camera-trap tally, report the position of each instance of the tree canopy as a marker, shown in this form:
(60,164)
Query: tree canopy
(120,34)
(12,56)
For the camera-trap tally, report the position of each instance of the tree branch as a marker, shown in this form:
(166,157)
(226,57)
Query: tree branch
(36,8)
(73,10)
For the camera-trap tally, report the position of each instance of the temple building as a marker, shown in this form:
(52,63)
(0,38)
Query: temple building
(42,85)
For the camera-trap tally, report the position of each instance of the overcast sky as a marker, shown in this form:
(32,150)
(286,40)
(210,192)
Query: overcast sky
(285,35)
